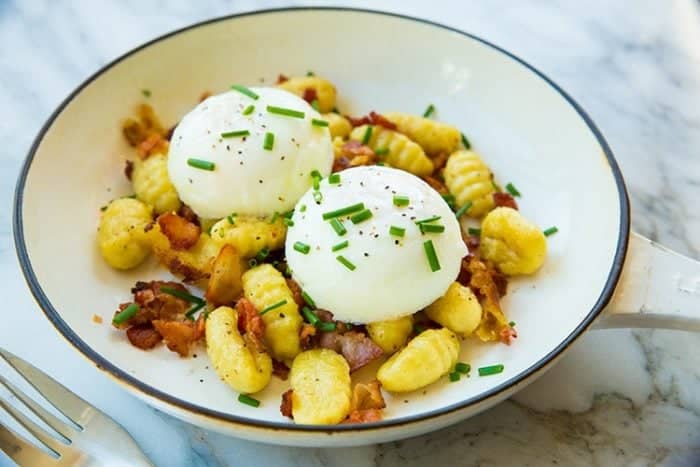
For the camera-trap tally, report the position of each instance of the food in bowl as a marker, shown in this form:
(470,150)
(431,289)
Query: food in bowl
(315,244)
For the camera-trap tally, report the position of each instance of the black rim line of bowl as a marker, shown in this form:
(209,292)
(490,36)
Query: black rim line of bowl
(124,377)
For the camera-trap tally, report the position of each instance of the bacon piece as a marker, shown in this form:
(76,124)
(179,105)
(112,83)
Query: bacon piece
(181,233)
(306,336)
(482,281)
(439,161)
(355,347)
(367,396)
(310,95)
(153,144)
(286,405)
(373,118)
(188,214)
(169,134)
(154,304)
(364,416)
(508,335)
(178,335)
(354,154)
(97,319)
(251,323)
(281,79)
(280,370)
(504,200)
(144,336)
(296,292)
(436,184)
(128,169)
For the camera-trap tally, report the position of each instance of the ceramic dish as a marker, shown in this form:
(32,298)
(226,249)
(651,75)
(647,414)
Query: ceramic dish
(528,129)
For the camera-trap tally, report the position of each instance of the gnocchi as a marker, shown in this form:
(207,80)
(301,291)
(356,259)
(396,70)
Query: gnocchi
(434,137)
(121,235)
(402,153)
(324,90)
(338,125)
(193,264)
(152,185)
(249,234)
(470,180)
(391,335)
(458,310)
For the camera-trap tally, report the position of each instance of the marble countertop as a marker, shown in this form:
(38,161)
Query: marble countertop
(617,398)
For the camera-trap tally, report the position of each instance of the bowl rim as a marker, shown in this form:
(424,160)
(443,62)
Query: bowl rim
(134,383)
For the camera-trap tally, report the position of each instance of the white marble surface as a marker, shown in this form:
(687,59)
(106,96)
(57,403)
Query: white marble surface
(618,398)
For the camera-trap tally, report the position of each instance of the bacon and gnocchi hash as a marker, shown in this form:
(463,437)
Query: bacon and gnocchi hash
(307,244)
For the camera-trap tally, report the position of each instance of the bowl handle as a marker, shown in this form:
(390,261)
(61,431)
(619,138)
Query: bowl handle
(659,288)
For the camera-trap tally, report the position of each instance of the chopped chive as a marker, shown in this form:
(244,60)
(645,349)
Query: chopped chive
(454,377)
(338,227)
(473,231)
(146,92)
(318,122)
(428,220)
(126,314)
(269,141)
(512,190)
(511,324)
(310,73)
(302,208)
(431,255)
(249,110)
(326,327)
(401,200)
(344,261)
(491,370)
(231,218)
(461,211)
(417,328)
(285,112)
(334,179)
(429,111)
(244,90)
(274,217)
(314,105)
(550,231)
(348,326)
(201,164)
(382,151)
(193,310)
(397,231)
(368,135)
(307,298)
(465,142)
(380,164)
(431,228)
(247,400)
(235,134)
(318,197)
(302,247)
(361,216)
(252,262)
(309,315)
(450,200)
(288,222)
(463,368)
(262,254)
(273,306)
(316,174)
(181,295)
(343,211)
(340,246)
(288,214)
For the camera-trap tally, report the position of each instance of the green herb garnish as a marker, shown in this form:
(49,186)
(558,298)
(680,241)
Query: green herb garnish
(244,90)
(201,164)
(431,255)
(126,314)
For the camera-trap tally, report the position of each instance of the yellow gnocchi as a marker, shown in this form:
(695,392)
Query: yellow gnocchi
(321,391)
(265,286)
(193,264)
(338,125)
(458,310)
(325,91)
(469,179)
(391,335)
(434,137)
(427,357)
(121,236)
(235,358)
(152,184)
(514,244)
(402,153)
(249,234)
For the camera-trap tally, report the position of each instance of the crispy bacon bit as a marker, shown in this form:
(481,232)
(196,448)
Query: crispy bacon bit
(504,200)
(144,336)
(181,233)
(251,323)
(372,119)
(310,95)
(134,132)
(281,79)
(286,405)
(306,336)
(178,335)
(129,170)
(137,130)
(188,214)
(493,320)
(354,154)
(324,315)
(439,161)
(296,292)
(436,184)
(154,304)
(204,96)
(367,396)
(364,416)
(153,144)
(508,335)
(97,319)
(169,134)
(280,370)
(355,347)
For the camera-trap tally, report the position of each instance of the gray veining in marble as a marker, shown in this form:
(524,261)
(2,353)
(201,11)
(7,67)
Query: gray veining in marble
(618,398)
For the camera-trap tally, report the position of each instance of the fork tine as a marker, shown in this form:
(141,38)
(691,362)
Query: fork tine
(60,428)
(48,441)
(20,451)
(70,405)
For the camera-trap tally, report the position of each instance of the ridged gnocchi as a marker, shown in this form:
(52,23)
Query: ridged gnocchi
(338,125)
(320,381)
(427,357)
(193,264)
(249,234)
(121,238)
(458,310)
(325,91)
(434,137)
(391,335)
(152,185)
(235,358)
(469,179)
(514,244)
(402,153)
(265,286)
